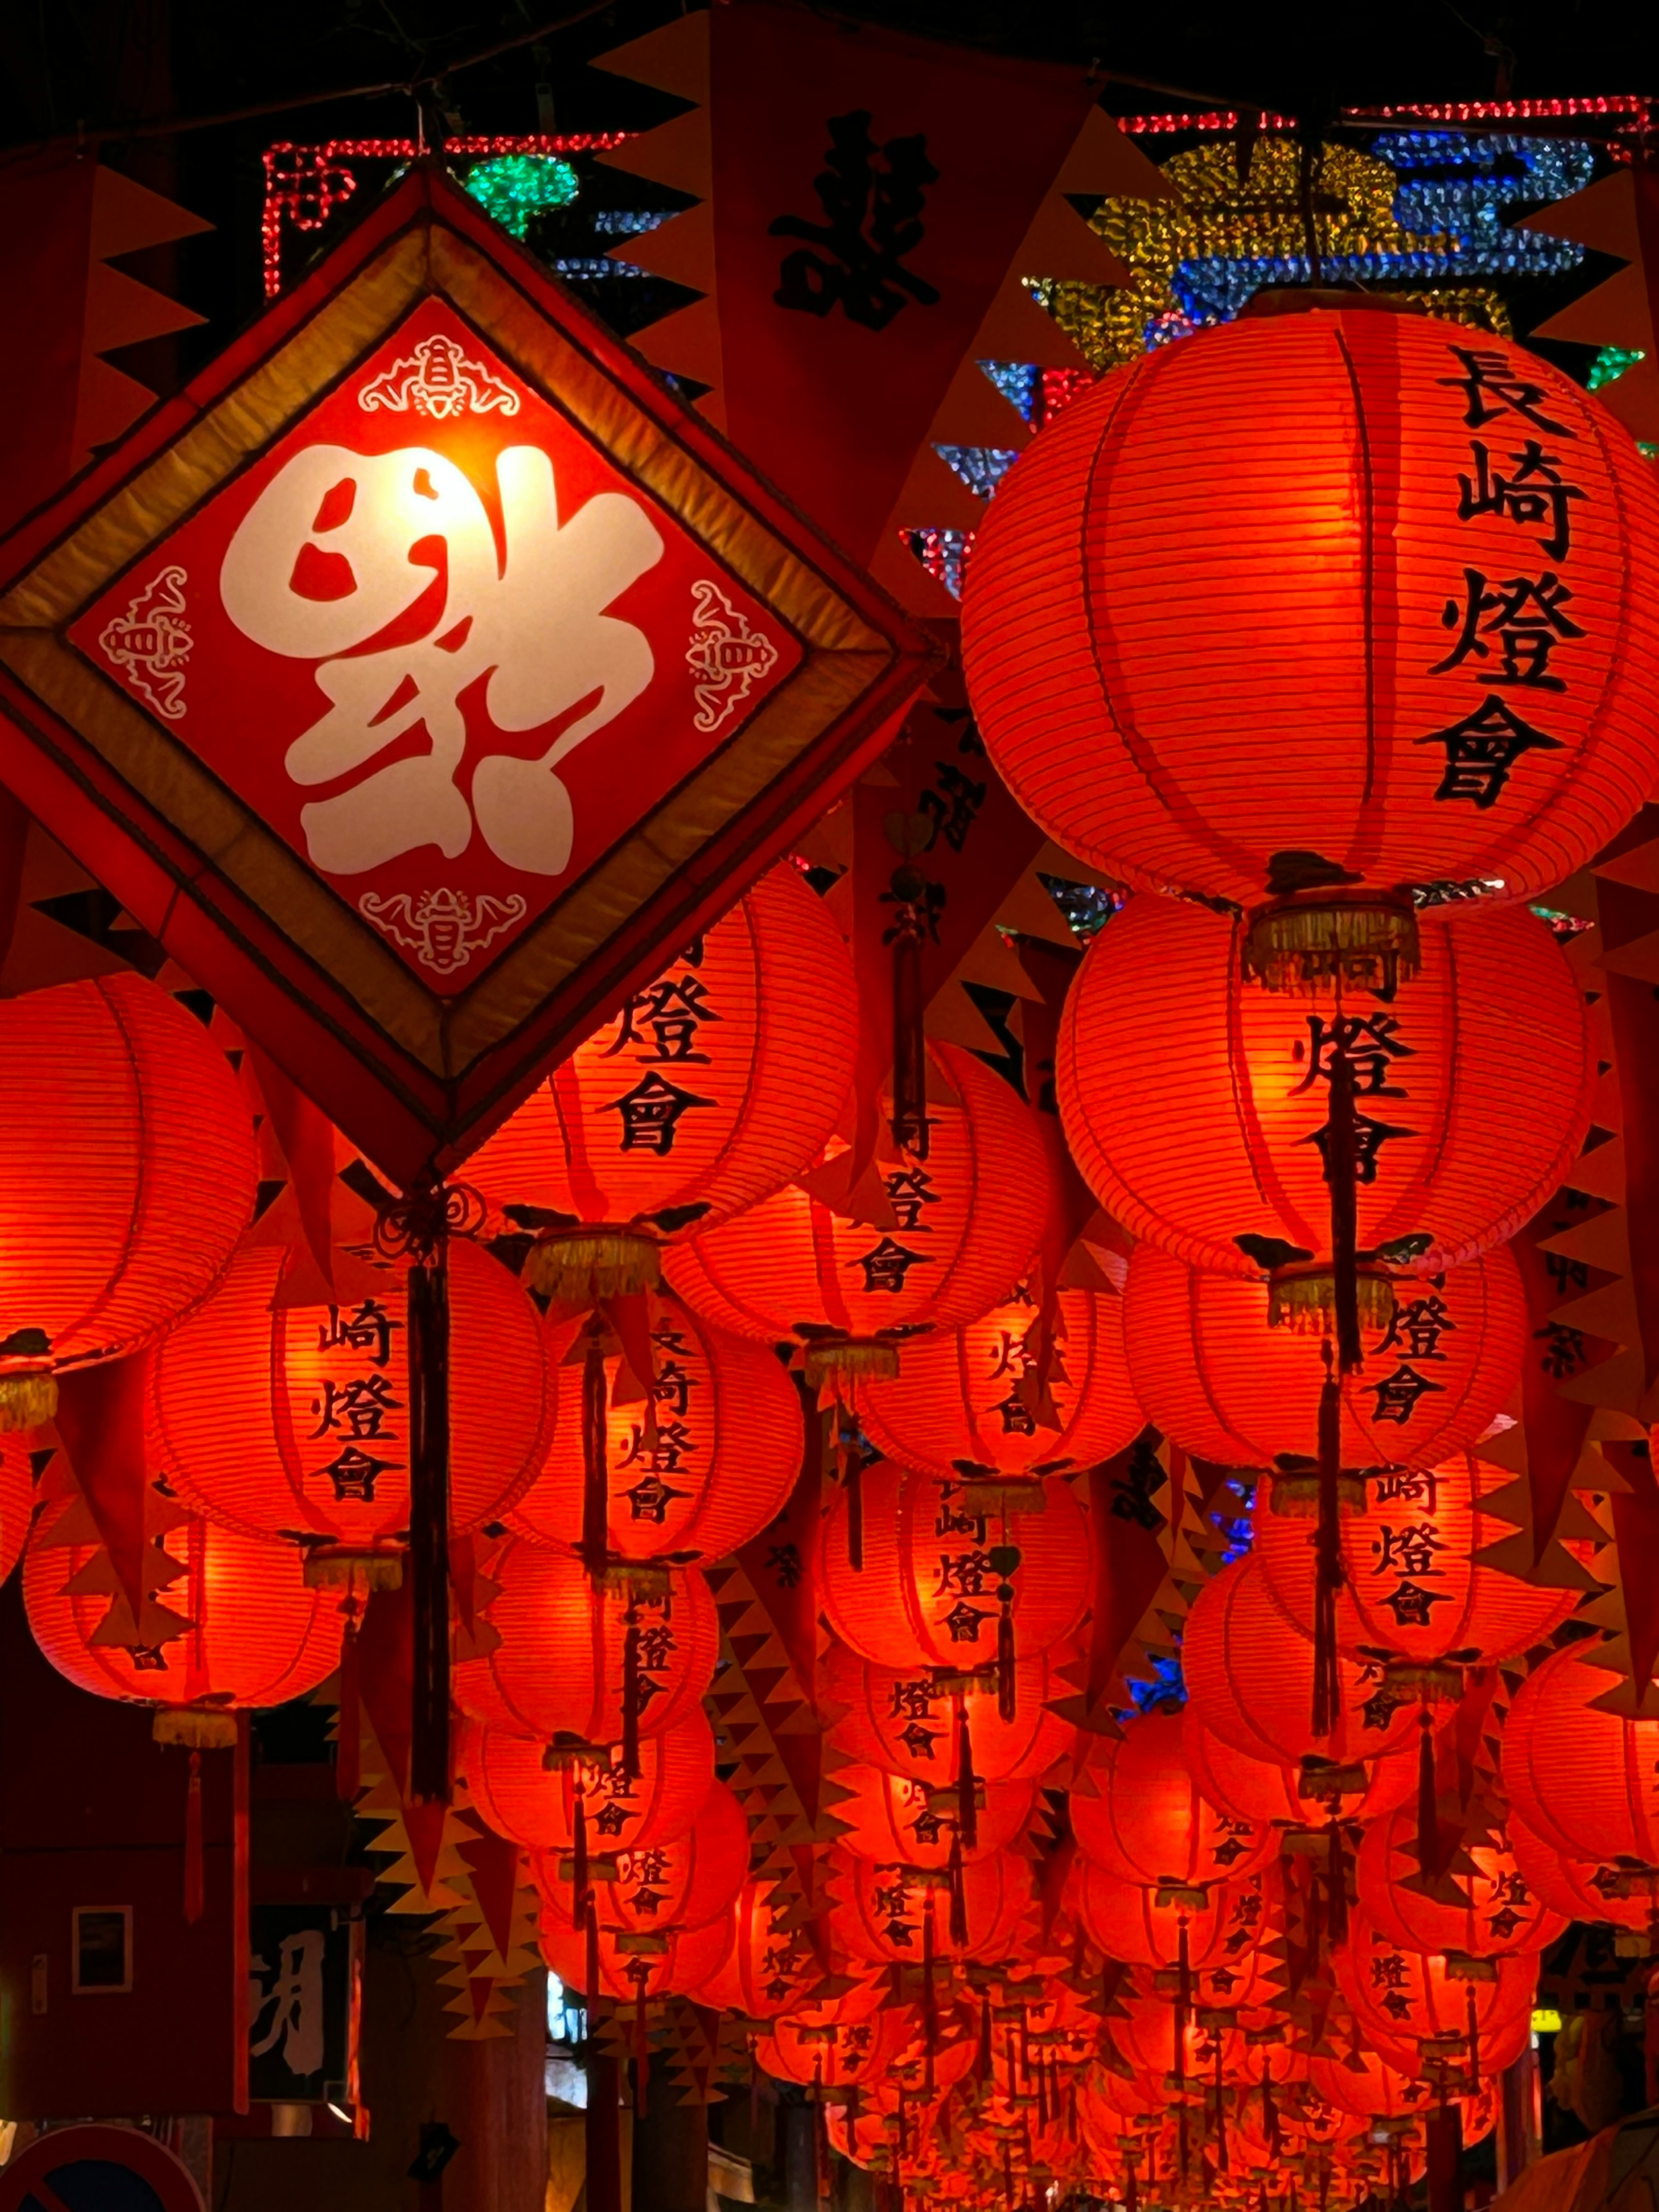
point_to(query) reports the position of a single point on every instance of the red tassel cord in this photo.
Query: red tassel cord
(854, 1480)
(959, 1897)
(1131, 2192)
(630, 1697)
(580, 1887)
(596, 1476)
(967, 1781)
(985, 2071)
(1220, 2111)
(1328, 1554)
(908, 893)
(349, 1746)
(428, 1516)
(1428, 1821)
(1004, 1559)
(195, 1872)
(929, 1997)
(1183, 2005)
(1342, 1174)
(1336, 1875)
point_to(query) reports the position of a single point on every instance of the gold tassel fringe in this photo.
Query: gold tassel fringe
(333, 1566)
(578, 1266)
(1311, 945)
(832, 1359)
(1296, 1495)
(994, 1498)
(193, 1727)
(1461, 1967)
(1303, 1299)
(28, 1397)
(1435, 1681)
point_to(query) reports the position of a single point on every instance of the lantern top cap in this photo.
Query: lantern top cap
(1273, 300)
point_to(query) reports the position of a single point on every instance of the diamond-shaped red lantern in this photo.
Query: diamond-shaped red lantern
(427, 670)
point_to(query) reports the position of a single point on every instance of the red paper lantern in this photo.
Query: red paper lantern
(891, 1818)
(1585, 1781)
(1248, 1673)
(128, 1177)
(926, 1594)
(1310, 684)
(707, 1467)
(1404, 2000)
(904, 1721)
(883, 1911)
(1198, 1106)
(1597, 1889)
(1148, 1823)
(679, 1967)
(669, 1886)
(249, 1632)
(704, 1094)
(16, 1499)
(1486, 1909)
(1214, 1375)
(971, 1396)
(293, 1420)
(1414, 1584)
(771, 1966)
(1361, 2083)
(964, 1225)
(536, 1806)
(561, 1669)
(1216, 1923)
(1248, 1788)
(1165, 2042)
(838, 2054)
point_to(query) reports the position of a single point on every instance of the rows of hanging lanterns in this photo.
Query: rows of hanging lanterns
(1256, 1934)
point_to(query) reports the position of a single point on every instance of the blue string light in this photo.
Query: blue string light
(981, 468)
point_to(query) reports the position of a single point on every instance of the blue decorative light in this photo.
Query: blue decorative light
(981, 468)
(1166, 1686)
(1216, 289)
(1020, 383)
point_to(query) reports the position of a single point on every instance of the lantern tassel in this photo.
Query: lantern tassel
(195, 1873)
(1220, 2111)
(958, 1896)
(1342, 1172)
(929, 1998)
(908, 891)
(1328, 1554)
(985, 2070)
(630, 1699)
(967, 1782)
(854, 1480)
(641, 2055)
(1131, 2193)
(1428, 1823)
(1183, 2002)
(580, 1884)
(348, 1746)
(1336, 1875)
(428, 1518)
(596, 1497)
(1005, 1661)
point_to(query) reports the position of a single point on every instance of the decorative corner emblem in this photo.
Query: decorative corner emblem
(444, 929)
(439, 380)
(726, 655)
(151, 641)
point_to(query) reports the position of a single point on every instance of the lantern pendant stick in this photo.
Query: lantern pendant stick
(428, 1518)
(913, 921)
(596, 1501)
(1328, 1553)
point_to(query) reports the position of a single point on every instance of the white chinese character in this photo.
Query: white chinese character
(386, 569)
(296, 1999)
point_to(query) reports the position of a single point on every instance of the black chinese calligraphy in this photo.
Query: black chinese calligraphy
(873, 200)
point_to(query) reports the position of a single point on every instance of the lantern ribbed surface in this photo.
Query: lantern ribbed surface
(254, 1634)
(901, 1719)
(127, 1164)
(1415, 1585)
(1592, 1889)
(926, 1595)
(687, 1959)
(1198, 1104)
(1485, 1910)
(1213, 1373)
(1225, 608)
(16, 1500)
(771, 1965)
(560, 1665)
(893, 1819)
(973, 1394)
(965, 1223)
(1147, 1822)
(707, 1091)
(1585, 1782)
(857, 2054)
(1404, 1998)
(677, 1883)
(1127, 1919)
(724, 1456)
(536, 1806)
(1249, 1787)
(295, 1422)
(882, 1910)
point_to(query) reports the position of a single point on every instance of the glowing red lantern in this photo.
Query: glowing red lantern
(884, 1912)
(1248, 1788)
(771, 1967)
(293, 1420)
(128, 1177)
(1485, 1910)
(943, 1570)
(1147, 1822)
(1583, 1780)
(851, 2054)
(1248, 1673)
(247, 1630)
(1199, 1108)
(1361, 2083)
(1414, 1584)
(1310, 691)
(696, 1460)
(1199, 1925)
(891, 1818)
(1414, 2005)
(536, 1805)
(583, 1662)
(670, 1885)
(1213, 1373)
(702, 1096)
(965, 1222)
(16, 1499)
(970, 1396)
(909, 1721)
(677, 1964)
(1584, 1888)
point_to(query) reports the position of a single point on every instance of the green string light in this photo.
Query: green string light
(514, 187)
(1612, 361)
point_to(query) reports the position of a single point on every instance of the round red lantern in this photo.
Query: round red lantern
(1168, 1925)
(1361, 2083)
(128, 1177)
(248, 1631)
(891, 1818)
(1253, 1789)
(697, 1458)
(772, 1965)
(293, 1420)
(16, 1499)
(684, 1961)
(883, 1911)
(908, 1720)
(1405, 2000)
(1415, 1585)
(965, 1222)
(533, 1804)
(1585, 1780)
(1249, 1677)
(1213, 1374)
(969, 1397)
(1485, 1910)
(1200, 1108)
(1147, 1822)
(854, 2054)
(668, 1887)
(704, 1094)
(576, 1660)
(1586, 1889)
(944, 1569)
(1377, 660)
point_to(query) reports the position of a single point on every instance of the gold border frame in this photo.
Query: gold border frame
(447, 1036)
